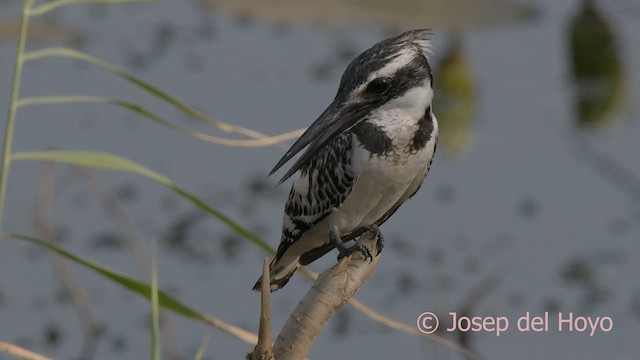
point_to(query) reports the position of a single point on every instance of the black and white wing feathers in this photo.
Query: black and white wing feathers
(323, 184)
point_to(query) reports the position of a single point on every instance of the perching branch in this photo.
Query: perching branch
(263, 350)
(19, 352)
(333, 288)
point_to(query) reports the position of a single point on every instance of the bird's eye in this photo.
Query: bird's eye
(378, 86)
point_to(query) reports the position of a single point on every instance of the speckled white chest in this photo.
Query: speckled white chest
(384, 181)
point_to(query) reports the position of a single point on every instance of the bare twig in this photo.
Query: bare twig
(19, 352)
(238, 332)
(259, 141)
(333, 288)
(263, 349)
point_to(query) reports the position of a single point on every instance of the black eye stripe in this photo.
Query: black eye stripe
(378, 86)
(405, 78)
(358, 72)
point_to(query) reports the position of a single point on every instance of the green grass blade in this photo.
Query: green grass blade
(201, 349)
(137, 109)
(155, 308)
(47, 7)
(165, 300)
(77, 55)
(71, 99)
(114, 162)
(13, 106)
(92, 159)
(230, 223)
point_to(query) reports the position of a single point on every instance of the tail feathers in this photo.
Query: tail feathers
(280, 277)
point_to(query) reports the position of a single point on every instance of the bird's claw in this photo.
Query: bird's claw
(373, 229)
(361, 248)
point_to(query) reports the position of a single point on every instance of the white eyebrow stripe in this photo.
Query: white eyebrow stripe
(400, 61)
(405, 57)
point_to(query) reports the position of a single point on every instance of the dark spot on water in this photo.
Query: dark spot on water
(77, 41)
(401, 246)
(164, 34)
(107, 240)
(595, 295)
(178, 232)
(577, 271)
(231, 247)
(51, 335)
(345, 51)
(258, 185)
(581, 274)
(405, 283)
(61, 296)
(118, 343)
(552, 305)
(445, 194)
(136, 61)
(528, 208)
(97, 331)
(322, 70)
(342, 323)
(61, 234)
(127, 192)
(244, 20)
(436, 256)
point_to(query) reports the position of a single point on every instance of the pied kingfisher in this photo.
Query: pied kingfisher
(367, 153)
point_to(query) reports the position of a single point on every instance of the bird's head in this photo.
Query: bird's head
(394, 74)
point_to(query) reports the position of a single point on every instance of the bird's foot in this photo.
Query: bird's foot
(361, 248)
(345, 250)
(375, 230)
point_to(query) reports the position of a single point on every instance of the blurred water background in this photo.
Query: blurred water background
(533, 202)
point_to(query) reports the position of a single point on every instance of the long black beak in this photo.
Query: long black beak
(337, 118)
